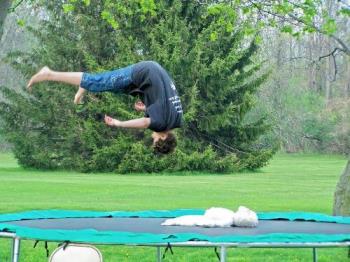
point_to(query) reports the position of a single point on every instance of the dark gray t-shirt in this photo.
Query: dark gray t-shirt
(158, 92)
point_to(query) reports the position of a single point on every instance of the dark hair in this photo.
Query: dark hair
(167, 145)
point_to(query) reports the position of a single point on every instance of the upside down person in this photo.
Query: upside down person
(161, 103)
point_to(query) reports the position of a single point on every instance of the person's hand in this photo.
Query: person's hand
(79, 96)
(112, 122)
(139, 106)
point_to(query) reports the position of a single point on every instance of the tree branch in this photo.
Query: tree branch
(13, 8)
(330, 54)
(344, 47)
(333, 54)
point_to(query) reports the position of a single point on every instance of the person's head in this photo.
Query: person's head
(164, 142)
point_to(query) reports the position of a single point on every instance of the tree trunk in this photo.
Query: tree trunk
(347, 84)
(4, 6)
(342, 194)
(312, 68)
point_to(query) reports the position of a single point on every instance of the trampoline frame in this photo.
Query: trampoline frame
(16, 246)
(159, 243)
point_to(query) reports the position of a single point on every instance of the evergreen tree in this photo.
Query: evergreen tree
(206, 48)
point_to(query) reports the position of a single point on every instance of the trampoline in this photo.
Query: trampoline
(143, 228)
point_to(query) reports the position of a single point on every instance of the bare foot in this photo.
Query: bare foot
(79, 96)
(42, 75)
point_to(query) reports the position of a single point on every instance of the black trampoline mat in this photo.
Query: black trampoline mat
(153, 226)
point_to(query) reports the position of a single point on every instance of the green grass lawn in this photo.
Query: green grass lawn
(289, 182)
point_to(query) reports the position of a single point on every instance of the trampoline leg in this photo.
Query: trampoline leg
(314, 254)
(15, 249)
(223, 254)
(159, 255)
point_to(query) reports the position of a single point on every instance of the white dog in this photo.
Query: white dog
(217, 217)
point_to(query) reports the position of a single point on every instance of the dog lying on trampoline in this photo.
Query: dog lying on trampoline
(160, 100)
(217, 217)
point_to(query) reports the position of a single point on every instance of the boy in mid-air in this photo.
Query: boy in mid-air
(160, 101)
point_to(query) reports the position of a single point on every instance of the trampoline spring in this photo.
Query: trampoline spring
(36, 243)
(64, 244)
(217, 253)
(46, 247)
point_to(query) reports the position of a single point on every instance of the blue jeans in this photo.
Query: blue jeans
(113, 81)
